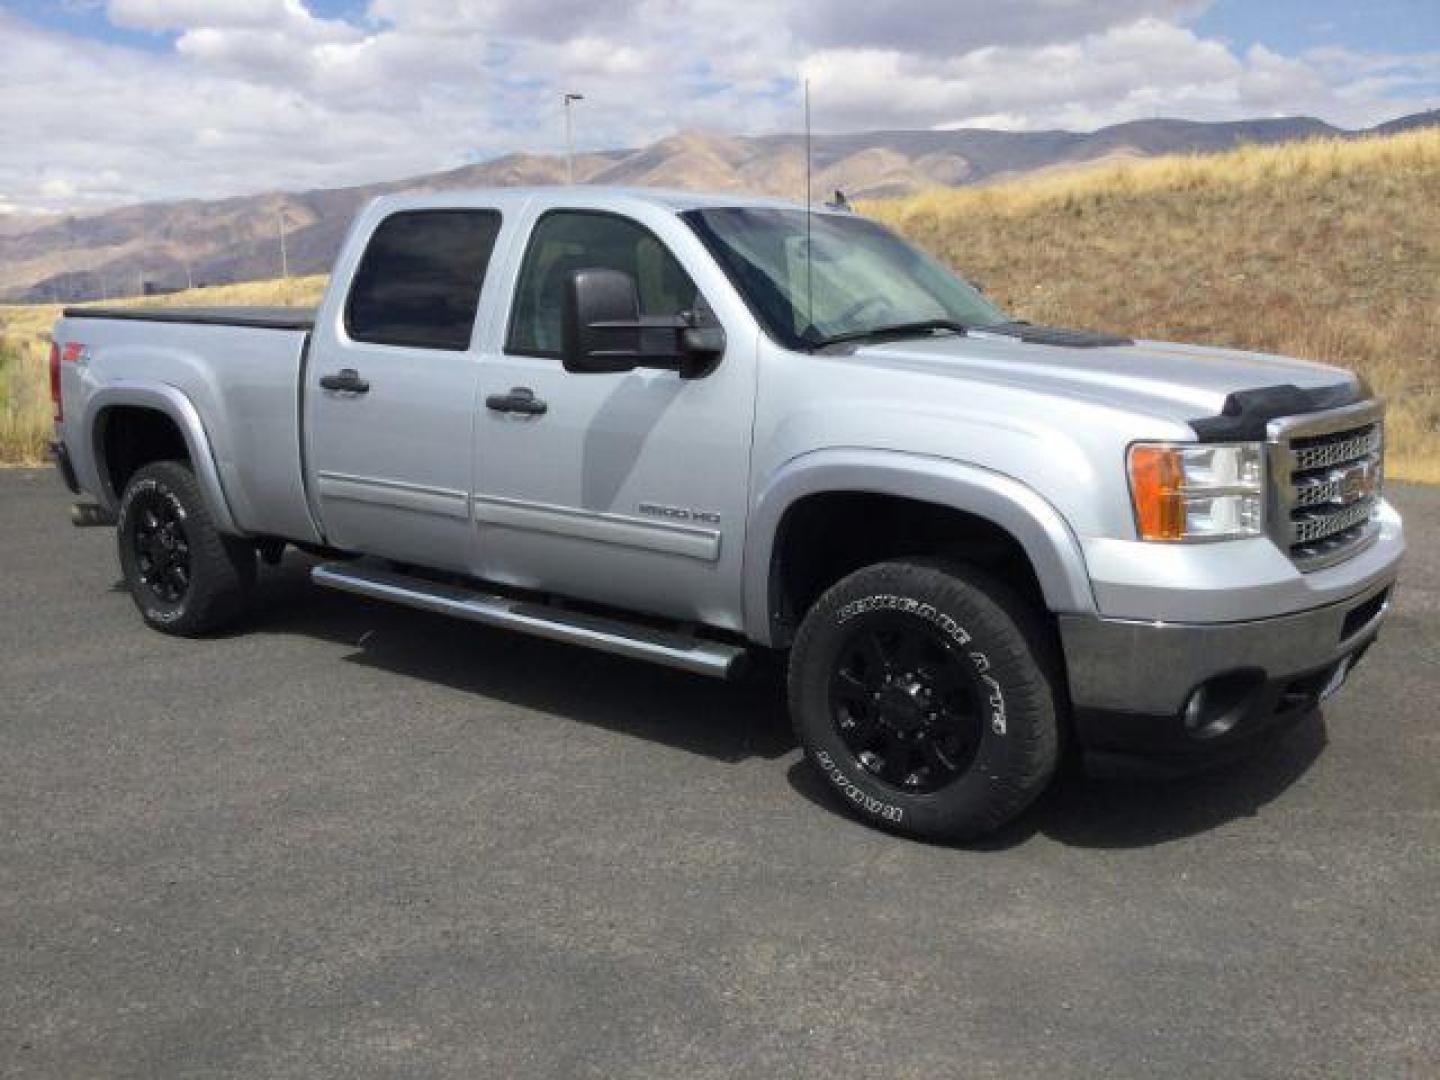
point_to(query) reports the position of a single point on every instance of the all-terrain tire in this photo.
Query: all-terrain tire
(978, 642)
(164, 523)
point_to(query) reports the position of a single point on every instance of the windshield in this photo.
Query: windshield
(837, 278)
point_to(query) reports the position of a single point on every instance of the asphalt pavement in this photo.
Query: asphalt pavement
(353, 840)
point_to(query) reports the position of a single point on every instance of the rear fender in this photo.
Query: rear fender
(179, 408)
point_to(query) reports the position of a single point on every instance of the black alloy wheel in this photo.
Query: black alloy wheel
(162, 549)
(907, 705)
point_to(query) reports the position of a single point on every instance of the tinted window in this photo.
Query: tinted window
(419, 280)
(565, 241)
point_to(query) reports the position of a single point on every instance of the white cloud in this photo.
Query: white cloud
(947, 27)
(191, 14)
(1146, 68)
(250, 95)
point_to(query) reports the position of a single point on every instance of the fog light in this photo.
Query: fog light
(1218, 704)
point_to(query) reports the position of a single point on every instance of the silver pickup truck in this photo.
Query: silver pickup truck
(689, 428)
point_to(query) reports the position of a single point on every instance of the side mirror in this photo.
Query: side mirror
(603, 330)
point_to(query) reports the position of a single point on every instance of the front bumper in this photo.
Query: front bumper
(1196, 690)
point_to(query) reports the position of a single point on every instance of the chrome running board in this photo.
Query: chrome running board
(676, 650)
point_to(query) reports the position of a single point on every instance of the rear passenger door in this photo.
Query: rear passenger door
(390, 390)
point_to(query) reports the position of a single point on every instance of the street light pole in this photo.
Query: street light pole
(570, 138)
(284, 259)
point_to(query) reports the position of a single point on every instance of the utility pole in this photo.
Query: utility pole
(570, 99)
(284, 259)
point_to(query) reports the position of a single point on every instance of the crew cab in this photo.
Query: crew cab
(692, 428)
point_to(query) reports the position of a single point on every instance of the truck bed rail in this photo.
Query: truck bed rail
(259, 318)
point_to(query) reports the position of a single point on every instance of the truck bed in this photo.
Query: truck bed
(239, 368)
(259, 318)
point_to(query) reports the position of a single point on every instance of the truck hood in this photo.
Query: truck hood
(1173, 382)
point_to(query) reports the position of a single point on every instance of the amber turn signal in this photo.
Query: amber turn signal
(1157, 475)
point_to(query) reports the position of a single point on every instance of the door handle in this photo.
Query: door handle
(519, 400)
(346, 379)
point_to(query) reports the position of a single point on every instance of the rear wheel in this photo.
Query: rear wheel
(184, 575)
(923, 693)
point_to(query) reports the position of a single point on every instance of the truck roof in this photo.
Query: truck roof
(589, 195)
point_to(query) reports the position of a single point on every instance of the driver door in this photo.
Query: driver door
(624, 488)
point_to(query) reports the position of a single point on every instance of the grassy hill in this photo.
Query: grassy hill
(1328, 249)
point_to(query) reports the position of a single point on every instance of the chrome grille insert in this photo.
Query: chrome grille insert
(1320, 453)
(1327, 468)
(1317, 525)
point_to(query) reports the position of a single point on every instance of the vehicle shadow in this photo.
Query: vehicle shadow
(1091, 812)
(728, 721)
(1127, 813)
(746, 719)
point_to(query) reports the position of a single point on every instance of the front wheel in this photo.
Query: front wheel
(924, 695)
(185, 576)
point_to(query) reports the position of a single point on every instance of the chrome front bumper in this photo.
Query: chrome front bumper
(1163, 687)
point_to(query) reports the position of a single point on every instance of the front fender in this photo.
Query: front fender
(180, 409)
(1052, 548)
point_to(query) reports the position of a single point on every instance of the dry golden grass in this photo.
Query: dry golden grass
(1328, 250)
(25, 341)
(24, 401)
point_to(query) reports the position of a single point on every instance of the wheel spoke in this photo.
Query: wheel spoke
(896, 758)
(863, 732)
(935, 757)
(878, 662)
(850, 687)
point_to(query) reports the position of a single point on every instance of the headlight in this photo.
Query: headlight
(1198, 492)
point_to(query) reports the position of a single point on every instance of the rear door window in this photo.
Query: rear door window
(418, 283)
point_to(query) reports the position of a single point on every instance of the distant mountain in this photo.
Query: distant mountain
(1409, 123)
(169, 244)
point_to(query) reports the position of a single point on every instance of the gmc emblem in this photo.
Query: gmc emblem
(1355, 483)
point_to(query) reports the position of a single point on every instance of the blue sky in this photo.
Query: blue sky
(1293, 26)
(108, 101)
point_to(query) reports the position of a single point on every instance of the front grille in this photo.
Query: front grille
(1323, 451)
(1328, 470)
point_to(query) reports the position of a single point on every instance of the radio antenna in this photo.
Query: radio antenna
(809, 287)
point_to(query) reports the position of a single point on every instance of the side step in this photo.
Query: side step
(675, 650)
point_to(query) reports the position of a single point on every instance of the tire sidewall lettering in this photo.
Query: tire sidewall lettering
(852, 791)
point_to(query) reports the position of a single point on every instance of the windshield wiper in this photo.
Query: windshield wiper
(922, 326)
